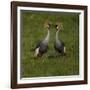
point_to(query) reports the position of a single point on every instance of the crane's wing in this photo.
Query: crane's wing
(43, 48)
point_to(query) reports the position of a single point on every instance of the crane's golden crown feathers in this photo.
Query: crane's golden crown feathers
(47, 24)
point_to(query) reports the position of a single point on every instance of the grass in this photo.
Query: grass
(32, 30)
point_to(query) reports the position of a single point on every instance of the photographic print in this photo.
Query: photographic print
(56, 35)
(49, 44)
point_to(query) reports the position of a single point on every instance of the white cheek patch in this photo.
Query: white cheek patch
(36, 52)
(57, 27)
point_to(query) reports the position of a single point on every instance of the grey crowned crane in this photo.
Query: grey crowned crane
(42, 46)
(59, 44)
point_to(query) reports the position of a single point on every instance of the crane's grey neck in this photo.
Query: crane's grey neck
(57, 37)
(46, 40)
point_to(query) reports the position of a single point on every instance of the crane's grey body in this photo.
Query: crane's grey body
(42, 46)
(59, 45)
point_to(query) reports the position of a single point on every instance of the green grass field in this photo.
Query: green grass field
(32, 30)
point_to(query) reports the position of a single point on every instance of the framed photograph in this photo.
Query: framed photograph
(48, 44)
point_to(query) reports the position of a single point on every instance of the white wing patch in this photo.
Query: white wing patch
(36, 52)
